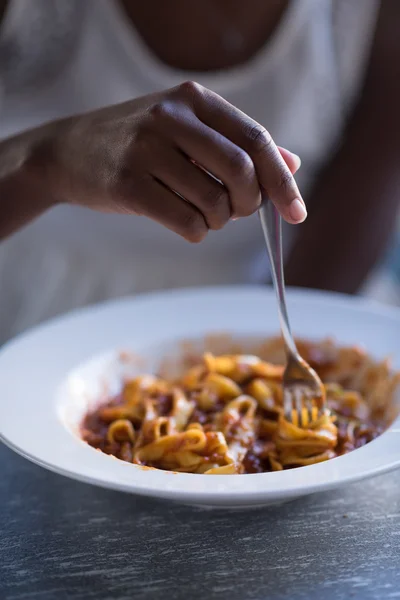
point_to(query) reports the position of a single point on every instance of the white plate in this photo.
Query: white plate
(49, 377)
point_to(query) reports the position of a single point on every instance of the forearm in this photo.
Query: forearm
(25, 192)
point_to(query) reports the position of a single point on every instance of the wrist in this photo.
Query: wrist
(26, 178)
(40, 168)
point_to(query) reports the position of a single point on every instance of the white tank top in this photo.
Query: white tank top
(301, 86)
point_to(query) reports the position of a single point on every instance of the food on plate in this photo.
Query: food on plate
(224, 415)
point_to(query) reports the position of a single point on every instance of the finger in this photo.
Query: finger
(292, 160)
(196, 186)
(217, 155)
(162, 205)
(273, 174)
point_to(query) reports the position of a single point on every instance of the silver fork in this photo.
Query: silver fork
(303, 392)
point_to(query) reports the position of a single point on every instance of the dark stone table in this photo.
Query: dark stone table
(65, 540)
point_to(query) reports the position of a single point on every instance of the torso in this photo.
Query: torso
(300, 89)
(204, 36)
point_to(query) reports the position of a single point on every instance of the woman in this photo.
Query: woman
(295, 67)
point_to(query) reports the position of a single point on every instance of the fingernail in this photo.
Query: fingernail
(297, 210)
(297, 161)
(234, 218)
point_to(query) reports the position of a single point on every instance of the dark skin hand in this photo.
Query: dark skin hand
(149, 157)
(132, 158)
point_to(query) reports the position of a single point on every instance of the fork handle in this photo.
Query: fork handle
(271, 223)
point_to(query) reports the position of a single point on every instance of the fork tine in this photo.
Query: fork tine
(310, 410)
(309, 405)
(306, 414)
(299, 406)
(288, 405)
(314, 410)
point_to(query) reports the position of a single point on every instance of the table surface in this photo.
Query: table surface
(65, 540)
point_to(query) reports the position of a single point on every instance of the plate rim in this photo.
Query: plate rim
(292, 291)
(219, 496)
(214, 498)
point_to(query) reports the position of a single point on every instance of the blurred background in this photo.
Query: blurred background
(383, 284)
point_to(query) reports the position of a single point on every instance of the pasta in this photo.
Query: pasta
(225, 415)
